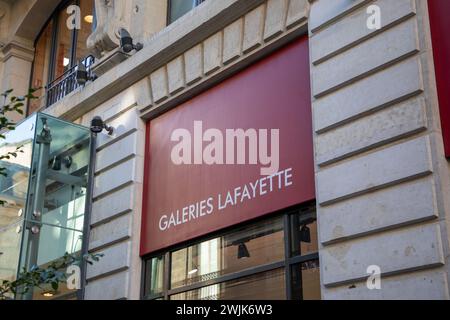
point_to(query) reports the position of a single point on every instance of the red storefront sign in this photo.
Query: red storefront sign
(440, 28)
(186, 201)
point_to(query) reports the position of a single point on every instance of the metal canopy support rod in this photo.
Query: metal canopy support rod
(35, 214)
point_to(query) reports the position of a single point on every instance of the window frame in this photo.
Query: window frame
(288, 263)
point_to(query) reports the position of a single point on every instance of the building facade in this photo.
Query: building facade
(351, 94)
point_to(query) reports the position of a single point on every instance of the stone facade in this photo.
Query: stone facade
(382, 179)
(379, 151)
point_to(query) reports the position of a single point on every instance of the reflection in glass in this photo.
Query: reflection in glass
(87, 26)
(41, 67)
(14, 184)
(10, 240)
(248, 247)
(63, 60)
(45, 190)
(13, 191)
(263, 286)
(155, 270)
(59, 178)
(306, 281)
(56, 55)
(304, 233)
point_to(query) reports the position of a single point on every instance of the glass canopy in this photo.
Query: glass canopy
(45, 193)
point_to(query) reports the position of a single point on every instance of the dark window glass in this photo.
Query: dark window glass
(63, 59)
(87, 26)
(41, 67)
(57, 51)
(178, 8)
(263, 286)
(276, 258)
(257, 245)
(155, 276)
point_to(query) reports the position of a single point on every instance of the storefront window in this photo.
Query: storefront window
(155, 270)
(263, 286)
(252, 262)
(246, 248)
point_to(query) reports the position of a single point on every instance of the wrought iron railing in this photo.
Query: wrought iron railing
(66, 83)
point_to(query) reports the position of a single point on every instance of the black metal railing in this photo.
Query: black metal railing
(66, 83)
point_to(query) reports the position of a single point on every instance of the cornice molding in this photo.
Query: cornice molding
(192, 30)
(16, 49)
(105, 38)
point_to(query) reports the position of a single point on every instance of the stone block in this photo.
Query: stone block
(427, 285)
(298, 12)
(117, 152)
(389, 46)
(325, 12)
(372, 131)
(375, 170)
(232, 41)
(275, 18)
(111, 232)
(399, 205)
(194, 64)
(113, 287)
(113, 205)
(115, 259)
(368, 95)
(212, 56)
(352, 30)
(124, 124)
(394, 252)
(253, 28)
(159, 85)
(175, 73)
(119, 176)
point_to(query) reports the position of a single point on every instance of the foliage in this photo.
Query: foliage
(53, 275)
(11, 104)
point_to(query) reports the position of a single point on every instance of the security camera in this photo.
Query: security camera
(98, 125)
(126, 42)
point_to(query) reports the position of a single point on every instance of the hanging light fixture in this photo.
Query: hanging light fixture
(48, 294)
(305, 234)
(243, 251)
(89, 18)
(82, 75)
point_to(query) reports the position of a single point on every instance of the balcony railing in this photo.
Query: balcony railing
(66, 83)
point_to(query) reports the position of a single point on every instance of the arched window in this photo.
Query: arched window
(59, 48)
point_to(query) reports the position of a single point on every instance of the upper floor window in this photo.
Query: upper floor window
(59, 48)
(178, 8)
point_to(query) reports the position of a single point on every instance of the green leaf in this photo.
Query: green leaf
(55, 286)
